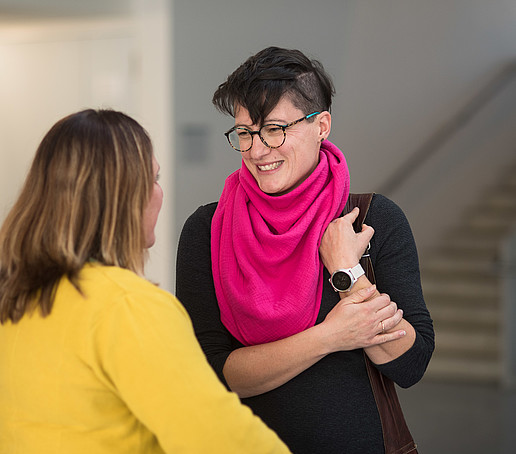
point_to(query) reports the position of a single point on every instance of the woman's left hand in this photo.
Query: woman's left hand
(340, 246)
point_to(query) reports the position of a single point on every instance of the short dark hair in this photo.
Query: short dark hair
(263, 79)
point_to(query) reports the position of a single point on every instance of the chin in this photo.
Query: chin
(150, 242)
(271, 190)
(274, 192)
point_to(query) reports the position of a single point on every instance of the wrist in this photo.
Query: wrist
(343, 279)
(342, 264)
(320, 340)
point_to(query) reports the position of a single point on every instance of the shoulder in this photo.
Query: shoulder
(109, 286)
(204, 212)
(385, 215)
(389, 222)
(383, 207)
(120, 280)
(198, 224)
(393, 246)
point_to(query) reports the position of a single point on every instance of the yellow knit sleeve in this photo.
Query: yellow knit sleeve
(146, 350)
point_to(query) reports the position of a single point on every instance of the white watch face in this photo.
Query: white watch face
(341, 281)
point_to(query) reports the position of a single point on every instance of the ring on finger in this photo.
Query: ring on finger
(383, 327)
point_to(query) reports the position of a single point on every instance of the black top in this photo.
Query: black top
(329, 408)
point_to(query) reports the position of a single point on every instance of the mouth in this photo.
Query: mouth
(268, 167)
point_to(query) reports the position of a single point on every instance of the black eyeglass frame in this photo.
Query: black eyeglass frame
(253, 133)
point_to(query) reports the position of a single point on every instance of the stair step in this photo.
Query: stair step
(464, 370)
(473, 235)
(499, 221)
(475, 290)
(505, 200)
(471, 240)
(462, 344)
(434, 300)
(437, 277)
(464, 277)
(448, 264)
(471, 250)
(471, 317)
(507, 182)
(462, 288)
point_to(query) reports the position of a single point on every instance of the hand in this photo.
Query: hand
(350, 325)
(340, 246)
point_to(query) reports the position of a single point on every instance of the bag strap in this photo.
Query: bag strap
(396, 434)
(362, 201)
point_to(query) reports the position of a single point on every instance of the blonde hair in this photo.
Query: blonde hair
(82, 200)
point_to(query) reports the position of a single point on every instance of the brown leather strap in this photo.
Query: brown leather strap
(362, 201)
(396, 435)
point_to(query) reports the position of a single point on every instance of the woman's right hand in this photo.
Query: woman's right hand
(361, 320)
(340, 246)
(353, 323)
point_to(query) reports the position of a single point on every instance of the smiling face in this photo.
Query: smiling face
(280, 170)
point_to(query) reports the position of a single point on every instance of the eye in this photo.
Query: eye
(273, 129)
(242, 133)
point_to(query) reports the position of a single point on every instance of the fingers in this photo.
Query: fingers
(386, 311)
(341, 246)
(367, 232)
(362, 320)
(385, 316)
(387, 323)
(360, 296)
(389, 309)
(380, 302)
(388, 337)
(390, 316)
(352, 215)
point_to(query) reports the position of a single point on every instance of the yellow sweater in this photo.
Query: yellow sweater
(115, 371)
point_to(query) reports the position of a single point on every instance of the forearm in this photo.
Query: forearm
(384, 353)
(388, 351)
(250, 371)
(254, 370)
(394, 256)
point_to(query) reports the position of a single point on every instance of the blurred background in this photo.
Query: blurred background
(425, 112)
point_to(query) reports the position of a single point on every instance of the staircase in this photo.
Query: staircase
(462, 288)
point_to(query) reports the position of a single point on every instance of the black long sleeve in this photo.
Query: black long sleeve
(395, 261)
(329, 408)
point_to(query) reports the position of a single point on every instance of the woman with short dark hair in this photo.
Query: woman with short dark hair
(271, 276)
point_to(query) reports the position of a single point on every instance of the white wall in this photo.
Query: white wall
(50, 68)
(401, 69)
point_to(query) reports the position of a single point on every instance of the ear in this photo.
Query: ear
(324, 122)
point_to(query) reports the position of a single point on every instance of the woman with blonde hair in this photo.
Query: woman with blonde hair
(94, 358)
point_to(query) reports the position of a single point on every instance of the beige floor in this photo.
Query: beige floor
(452, 418)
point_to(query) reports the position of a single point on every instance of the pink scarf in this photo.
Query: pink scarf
(265, 250)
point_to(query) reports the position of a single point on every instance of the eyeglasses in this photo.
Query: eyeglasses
(272, 135)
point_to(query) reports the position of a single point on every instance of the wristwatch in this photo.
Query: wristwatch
(343, 280)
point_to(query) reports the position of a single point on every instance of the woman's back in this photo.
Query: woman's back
(108, 369)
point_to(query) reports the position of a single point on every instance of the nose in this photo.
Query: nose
(259, 149)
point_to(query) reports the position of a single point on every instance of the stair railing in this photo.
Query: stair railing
(446, 132)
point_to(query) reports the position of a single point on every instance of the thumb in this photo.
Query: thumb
(353, 214)
(361, 295)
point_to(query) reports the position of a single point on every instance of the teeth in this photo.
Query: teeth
(270, 166)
